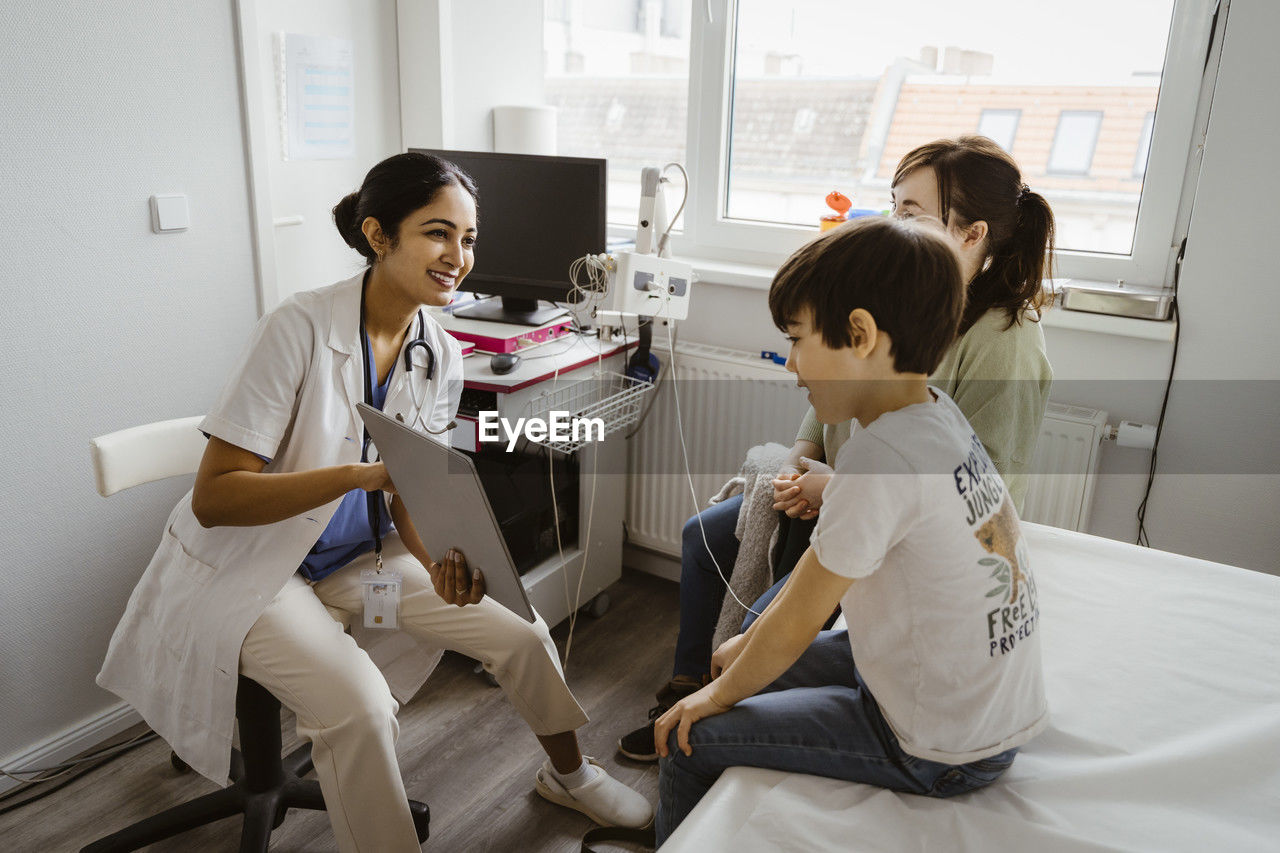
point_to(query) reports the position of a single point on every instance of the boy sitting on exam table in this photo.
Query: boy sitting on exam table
(937, 681)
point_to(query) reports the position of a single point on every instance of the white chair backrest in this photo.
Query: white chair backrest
(143, 454)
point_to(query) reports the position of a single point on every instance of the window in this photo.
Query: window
(1074, 142)
(618, 73)
(783, 102)
(1000, 126)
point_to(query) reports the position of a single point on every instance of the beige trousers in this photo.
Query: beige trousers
(299, 651)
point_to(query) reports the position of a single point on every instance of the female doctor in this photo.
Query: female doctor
(259, 568)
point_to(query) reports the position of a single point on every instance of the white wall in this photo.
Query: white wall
(497, 60)
(491, 55)
(1227, 508)
(110, 325)
(105, 324)
(312, 254)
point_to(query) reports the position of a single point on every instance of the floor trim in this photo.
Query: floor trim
(71, 743)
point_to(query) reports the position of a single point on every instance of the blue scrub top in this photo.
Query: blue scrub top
(349, 533)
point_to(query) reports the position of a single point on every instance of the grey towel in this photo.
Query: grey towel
(757, 530)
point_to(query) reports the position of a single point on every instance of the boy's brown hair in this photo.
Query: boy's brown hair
(904, 273)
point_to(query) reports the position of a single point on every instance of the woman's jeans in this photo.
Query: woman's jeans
(702, 589)
(701, 586)
(817, 718)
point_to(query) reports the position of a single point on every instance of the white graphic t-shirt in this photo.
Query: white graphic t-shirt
(943, 617)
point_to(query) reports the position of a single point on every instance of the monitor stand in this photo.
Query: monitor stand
(518, 311)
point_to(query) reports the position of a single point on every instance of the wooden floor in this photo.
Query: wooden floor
(463, 750)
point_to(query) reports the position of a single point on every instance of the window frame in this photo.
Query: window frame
(708, 234)
(1144, 146)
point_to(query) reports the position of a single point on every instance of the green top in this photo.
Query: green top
(977, 372)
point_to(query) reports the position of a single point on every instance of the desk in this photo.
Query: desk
(602, 466)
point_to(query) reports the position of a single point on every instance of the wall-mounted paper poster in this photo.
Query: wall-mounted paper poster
(317, 97)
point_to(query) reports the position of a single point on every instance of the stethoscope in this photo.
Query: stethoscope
(369, 371)
(368, 452)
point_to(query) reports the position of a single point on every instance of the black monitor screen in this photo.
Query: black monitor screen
(537, 215)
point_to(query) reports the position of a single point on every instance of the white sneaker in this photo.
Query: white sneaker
(604, 799)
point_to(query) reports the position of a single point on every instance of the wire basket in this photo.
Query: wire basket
(612, 398)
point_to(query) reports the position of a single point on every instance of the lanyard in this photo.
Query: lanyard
(373, 500)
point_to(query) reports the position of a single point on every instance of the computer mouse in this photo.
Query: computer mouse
(503, 362)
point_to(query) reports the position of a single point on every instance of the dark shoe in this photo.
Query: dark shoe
(639, 744)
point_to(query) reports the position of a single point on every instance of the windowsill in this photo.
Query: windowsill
(757, 277)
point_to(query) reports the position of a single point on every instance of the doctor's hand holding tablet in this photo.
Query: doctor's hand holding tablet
(454, 582)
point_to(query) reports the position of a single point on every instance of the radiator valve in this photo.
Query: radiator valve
(1131, 434)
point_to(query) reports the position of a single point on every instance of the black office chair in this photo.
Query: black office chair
(264, 785)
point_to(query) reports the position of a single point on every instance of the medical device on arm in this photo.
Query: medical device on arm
(648, 282)
(652, 208)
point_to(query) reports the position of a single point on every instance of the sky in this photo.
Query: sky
(1031, 40)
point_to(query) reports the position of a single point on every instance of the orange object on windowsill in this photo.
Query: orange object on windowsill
(839, 203)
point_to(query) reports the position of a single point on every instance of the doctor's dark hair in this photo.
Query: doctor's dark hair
(979, 181)
(392, 190)
(905, 274)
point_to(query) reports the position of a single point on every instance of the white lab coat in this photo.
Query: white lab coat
(175, 654)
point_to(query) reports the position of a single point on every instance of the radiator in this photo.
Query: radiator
(1060, 492)
(732, 400)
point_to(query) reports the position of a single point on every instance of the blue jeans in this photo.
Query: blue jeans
(701, 587)
(817, 718)
(764, 601)
(757, 609)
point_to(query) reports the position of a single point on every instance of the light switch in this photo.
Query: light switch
(169, 212)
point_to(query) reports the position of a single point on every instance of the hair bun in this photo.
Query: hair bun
(344, 217)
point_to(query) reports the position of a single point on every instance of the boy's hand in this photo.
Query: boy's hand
(801, 497)
(727, 654)
(682, 716)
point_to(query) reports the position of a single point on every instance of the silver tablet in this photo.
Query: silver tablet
(447, 502)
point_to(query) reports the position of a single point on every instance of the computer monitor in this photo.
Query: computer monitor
(537, 215)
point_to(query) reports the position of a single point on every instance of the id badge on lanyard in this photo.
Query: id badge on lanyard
(380, 589)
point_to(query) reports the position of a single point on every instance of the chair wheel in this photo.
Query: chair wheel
(598, 606)
(178, 764)
(421, 819)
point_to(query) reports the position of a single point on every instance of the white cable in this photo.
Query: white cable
(596, 286)
(575, 602)
(555, 513)
(662, 241)
(586, 549)
(675, 392)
